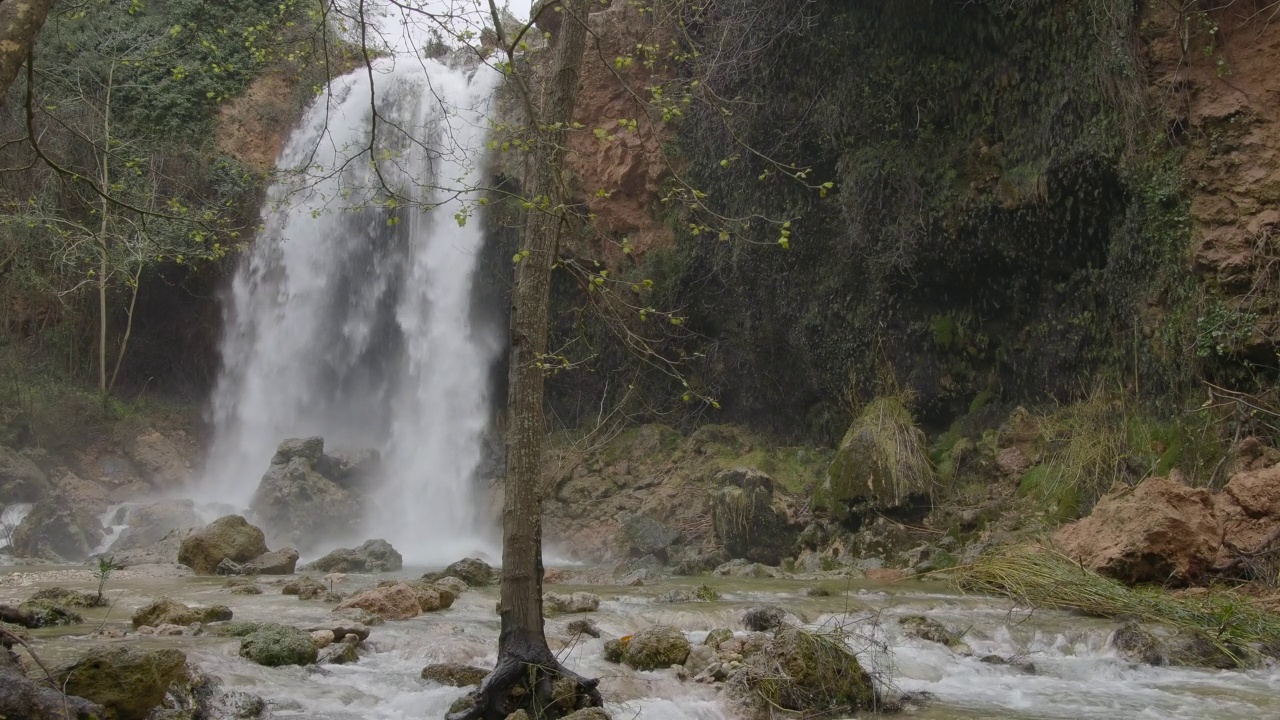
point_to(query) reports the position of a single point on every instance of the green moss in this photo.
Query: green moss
(881, 460)
(276, 645)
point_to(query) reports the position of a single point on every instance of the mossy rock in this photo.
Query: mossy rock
(655, 648)
(882, 460)
(275, 645)
(47, 613)
(70, 598)
(807, 672)
(128, 682)
(167, 611)
(454, 674)
(928, 629)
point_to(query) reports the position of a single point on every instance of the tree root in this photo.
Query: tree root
(533, 681)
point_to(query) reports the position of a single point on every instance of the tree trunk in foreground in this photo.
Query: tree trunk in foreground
(524, 660)
(20, 23)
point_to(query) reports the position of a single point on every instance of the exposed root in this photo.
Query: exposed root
(533, 681)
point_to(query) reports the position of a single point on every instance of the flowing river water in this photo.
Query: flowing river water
(1076, 674)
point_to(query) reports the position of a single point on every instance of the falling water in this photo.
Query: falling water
(351, 317)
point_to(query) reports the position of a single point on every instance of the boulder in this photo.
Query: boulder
(695, 559)
(39, 613)
(457, 586)
(309, 449)
(341, 653)
(699, 659)
(745, 520)
(582, 626)
(164, 552)
(230, 537)
(393, 602)
(83, 494)
(656, 647)
(336, 631)
(167, 611)
(454, 674)
(275, 645)
(1159, 531)
(919, 626)
(231, 567)
(306, 588)
(149, 524)
(564, 604)
(473, 571)
(352, 470)
(70, 598)
(21, 480)
(57, 529)
(23, 697)
(371, 556)
(430, 597)
(806, 673)
(297, 502)
(129, 682)
(639, 536)
(276, 562)
(159, 459)
(743, 568)
(1249, 510)
(764, 618)
(881, 462)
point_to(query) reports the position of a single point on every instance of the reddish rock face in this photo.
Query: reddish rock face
(1249, 510)
(1159, 532)
(393, 602)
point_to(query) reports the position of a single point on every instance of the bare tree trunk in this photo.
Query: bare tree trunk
(20, 23)
(523, 656)
(103, 260)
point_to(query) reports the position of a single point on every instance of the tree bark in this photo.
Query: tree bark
(523, 655)
(20, 23)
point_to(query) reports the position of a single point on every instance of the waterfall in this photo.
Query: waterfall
(351, 316)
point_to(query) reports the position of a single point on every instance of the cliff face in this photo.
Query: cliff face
(1024, 200)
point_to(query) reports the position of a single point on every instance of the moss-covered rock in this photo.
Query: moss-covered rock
(128, 682)
(806, 672)
(656, 647)
(882, 461)
(227, 538)
(745, 519)
(46, 613)
(929, 629)
(70, 598)
(167, 611)
(454, 674)
(473, 571)
(275, 645)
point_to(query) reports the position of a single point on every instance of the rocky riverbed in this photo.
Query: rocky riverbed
(976, 657)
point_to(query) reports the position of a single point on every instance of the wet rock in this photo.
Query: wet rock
(614, 650)
(244, 590)
(431, 597)
(276, 562)
(808, 673)
(1025, 666)
(1159, 531)
(1136, 644)
(166, 610)
(70, 598)
(343, 653)
(322, 638)
(128, 682)
(359, 616)
(169, 630)
(699, 659)
(393, 602)
(764, 618)
(57, 529)
(22, 697)
(472, 571)
(230, 537)
(454, 674)
(371, 556)
(743, 568)
(639, 536)
(929, 629)
(164, 552)
(578, 602)
(297, 501)
(338, 631)
(656, 647)
(457, 586)
(38, 613)
(351, 469)
(718, 636)
(582, 626)
(746, 522)
(695, 559)
(230, 567)
(275, 645)
(306, 588)
(159, 459)
(21, 480)
(149, 524)
(80, 493)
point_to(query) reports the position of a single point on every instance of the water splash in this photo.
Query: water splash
(351, 316)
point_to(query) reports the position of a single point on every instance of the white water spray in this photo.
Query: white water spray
(351, 317)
